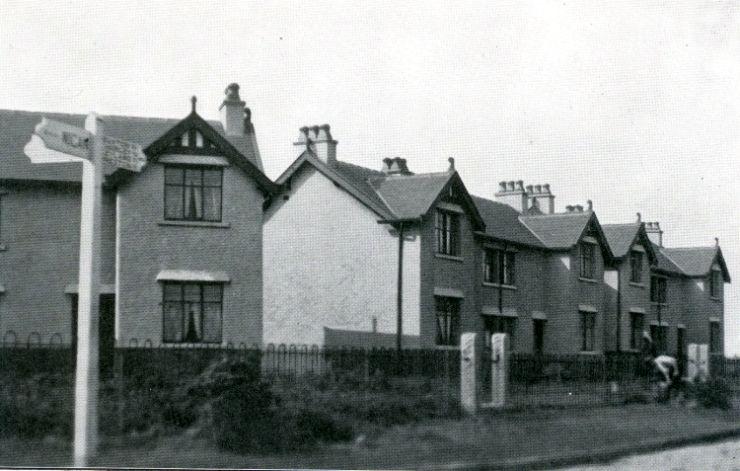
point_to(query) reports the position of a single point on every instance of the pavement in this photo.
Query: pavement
(718, 456)
(718, 450)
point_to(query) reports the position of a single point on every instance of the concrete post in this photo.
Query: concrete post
(86, 381)
(698, 362)
(468, 373)
(499, 369)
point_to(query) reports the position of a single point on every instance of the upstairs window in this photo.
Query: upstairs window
(499, 267)
(636, 267)
(447, 228)
(715, 281)
(193, 193)
(658, 289)
(448, 320)
(587, 260)
(192, 312)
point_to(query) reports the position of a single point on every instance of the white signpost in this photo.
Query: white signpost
(55, 142)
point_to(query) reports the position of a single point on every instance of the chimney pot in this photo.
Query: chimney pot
(538, 188)
(569, 208)
(579, 208)
(232, 111)
(530, 189)
(520, 185)
(512, 185)
(502, 185)
(546, 187)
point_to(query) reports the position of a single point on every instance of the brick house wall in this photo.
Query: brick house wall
(148, 245)
(39, 262)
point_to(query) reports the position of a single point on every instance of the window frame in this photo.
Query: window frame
(447, 232)
(183, 185)
(636, 267)
(587, 257)
(588, 331)
(658, 289)
(499, 266)
(183, 302)
(447, 307)
(715, 280)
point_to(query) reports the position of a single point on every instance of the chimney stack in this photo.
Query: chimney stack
(318, 139)
(541, 194)
(395, 166)
(512, 193)
(655, 233)
(233, 111)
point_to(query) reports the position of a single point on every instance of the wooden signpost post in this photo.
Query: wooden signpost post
(54, 142)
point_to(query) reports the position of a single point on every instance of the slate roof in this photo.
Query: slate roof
(502, 222)
(558, 231)
(664, 263)
(16, 128)
(620, 237)
(696, 261)
(410, 196)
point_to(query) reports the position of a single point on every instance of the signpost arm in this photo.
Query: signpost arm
(86, 381)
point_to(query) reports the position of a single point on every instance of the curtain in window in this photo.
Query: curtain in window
(172, 322)
(193, 202)
(193, 321)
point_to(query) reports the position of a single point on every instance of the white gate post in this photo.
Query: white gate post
(698, 362)
(86, 381)
(499, 369)
(468, 373)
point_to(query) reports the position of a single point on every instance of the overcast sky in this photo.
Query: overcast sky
(633, 104)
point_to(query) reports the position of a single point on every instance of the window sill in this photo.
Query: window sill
(587, 280)
(498, 285)
(220, 225)
(454, 258)
(447, 347)
(3, 248)
(638, 285)
(589, 353)
(713, 298)
(194, 345)
(653, 303)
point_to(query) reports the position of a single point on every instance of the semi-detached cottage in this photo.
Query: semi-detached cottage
(182, 239)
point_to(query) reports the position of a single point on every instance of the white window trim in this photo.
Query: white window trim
(194, 276)
(449, 292)
(493, 311)
(212, 160)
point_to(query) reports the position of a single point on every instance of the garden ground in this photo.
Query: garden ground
(495, 439)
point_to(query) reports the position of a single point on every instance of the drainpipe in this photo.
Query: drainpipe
(619, 310)
(399, 291)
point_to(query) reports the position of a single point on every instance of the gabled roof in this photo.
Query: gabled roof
(502, 222)
(393, 198)
(16, 128)
(697, 261)
(622, 237)
(223, 145)
(561, 231)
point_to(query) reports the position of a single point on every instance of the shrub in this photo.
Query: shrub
(713, 393)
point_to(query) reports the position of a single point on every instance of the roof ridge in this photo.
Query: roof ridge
(114, 116)
(694, 247)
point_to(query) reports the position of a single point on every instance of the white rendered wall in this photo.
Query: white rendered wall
(328, 263)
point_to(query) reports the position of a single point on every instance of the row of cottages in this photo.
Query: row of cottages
(353, 255)
(182, 239)
(201, 247)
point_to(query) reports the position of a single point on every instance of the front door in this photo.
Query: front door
(681, 349)
(106, 329)
(539, 336)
